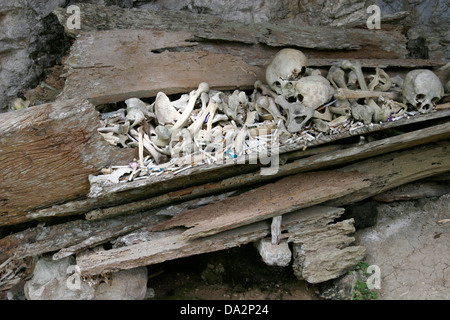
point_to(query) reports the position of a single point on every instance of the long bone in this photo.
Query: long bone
(215, 101)
(118, 128)
(265, 89)
(264, 103)
(195, 127)
(336, 76)
(193, 96)
(343, 94)
(356, 68)
(380, 81)
(239, 142)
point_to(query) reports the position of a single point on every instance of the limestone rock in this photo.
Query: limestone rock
(56, 280)
(325, 253)
(125, 285)
(59, 280)
(29, 43)
(274, 254)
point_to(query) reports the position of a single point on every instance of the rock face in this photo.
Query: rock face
(30, 42)
(58, 280)
(409, 243)
(324, 253)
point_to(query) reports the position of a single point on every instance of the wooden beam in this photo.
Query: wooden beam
(114, 65)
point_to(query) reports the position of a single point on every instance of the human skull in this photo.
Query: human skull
(313, 91)
(285, 69)
(422, 89)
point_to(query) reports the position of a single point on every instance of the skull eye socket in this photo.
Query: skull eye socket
(297, 74)
(420, 97)
(435, 100)
(426, 107)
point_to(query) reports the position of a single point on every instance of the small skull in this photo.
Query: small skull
(421, 90)
(313, 91)
(297, 114)
(285, 69)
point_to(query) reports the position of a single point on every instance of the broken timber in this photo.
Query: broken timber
(362, 180)
(153, 249)
(46, 154)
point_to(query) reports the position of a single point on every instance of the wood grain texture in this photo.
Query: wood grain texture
(47, 153)
(286, 195)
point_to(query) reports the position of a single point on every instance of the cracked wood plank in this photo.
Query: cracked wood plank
(47, 153)
(156, 247)
(114, 65)
(274, 199)
(121, 53)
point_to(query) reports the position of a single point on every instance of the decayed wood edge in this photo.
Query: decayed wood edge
(47, 152)
(377, 176)
(168, 245)
(213, 28)
(147, 199)
(42, 239)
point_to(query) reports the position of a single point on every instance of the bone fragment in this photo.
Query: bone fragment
(165, 112)
(265, 89)
(343, 94)
(118, 129)
(141, 146)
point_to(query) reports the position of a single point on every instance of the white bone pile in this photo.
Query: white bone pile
(296, 106)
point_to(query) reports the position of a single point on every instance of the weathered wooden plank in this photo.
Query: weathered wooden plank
(288, 194)
(114, 65)
(377, 174)
(156, 247)
(213, 28)
(75, 236)
(46, 155)
(393, 170)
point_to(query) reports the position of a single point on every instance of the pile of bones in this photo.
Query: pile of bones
(296, 106)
